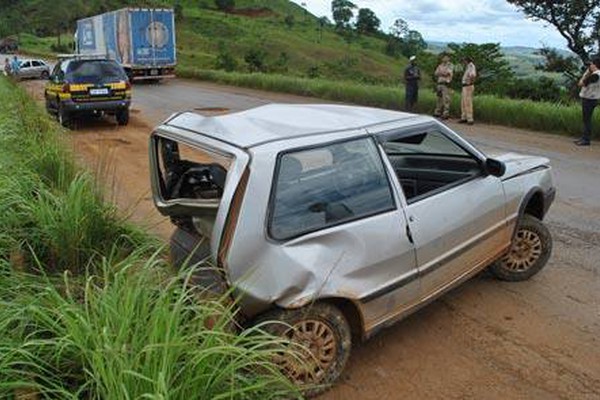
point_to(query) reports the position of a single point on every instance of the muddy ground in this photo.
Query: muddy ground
(485, 340)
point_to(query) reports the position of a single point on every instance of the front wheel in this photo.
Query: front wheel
(325, 341)
(531, 248)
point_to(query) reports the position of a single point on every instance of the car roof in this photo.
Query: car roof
(275, 122)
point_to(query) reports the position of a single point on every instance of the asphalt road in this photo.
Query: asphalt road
(538, 339)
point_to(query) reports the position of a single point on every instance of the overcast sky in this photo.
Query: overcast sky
(477, 21)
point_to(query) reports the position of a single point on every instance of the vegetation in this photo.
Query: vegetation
(88, 309)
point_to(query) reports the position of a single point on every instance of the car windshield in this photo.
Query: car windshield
(94, 72)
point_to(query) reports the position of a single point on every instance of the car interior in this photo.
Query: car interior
(427, 162)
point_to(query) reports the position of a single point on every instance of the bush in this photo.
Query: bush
(537, 89)
(256, 60)
(225, 5)
(225, 60)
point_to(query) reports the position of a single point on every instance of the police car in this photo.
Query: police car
(87, 87)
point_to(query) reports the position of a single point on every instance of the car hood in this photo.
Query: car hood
(519, 163)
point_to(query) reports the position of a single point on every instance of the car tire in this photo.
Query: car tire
(44, 75)
(530, 251)
(64, 117)
(324, 332)
(122, 117)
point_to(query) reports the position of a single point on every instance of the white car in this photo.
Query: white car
(34, 69)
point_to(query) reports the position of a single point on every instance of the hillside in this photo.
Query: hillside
(278, 35)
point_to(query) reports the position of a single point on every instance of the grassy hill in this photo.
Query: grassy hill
(282, 35)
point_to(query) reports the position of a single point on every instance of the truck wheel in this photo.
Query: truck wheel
(122, 117)
(325, 341)
(64, 117)
(531, 248)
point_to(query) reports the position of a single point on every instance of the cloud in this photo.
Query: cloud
(477, 21)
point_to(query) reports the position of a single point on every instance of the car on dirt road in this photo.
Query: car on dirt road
(83, 86)
(340, 220)
(37, 69)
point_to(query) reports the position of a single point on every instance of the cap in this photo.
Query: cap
(412, 58)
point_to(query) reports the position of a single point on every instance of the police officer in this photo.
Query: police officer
(412, 75)
(443, 75)
(589, 94)
(468, 88)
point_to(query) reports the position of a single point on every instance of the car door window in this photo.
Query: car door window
(325, 186)
(36, 64)
(429, 162)
(26, 64)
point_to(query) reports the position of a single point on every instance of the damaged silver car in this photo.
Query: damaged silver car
(341, 220)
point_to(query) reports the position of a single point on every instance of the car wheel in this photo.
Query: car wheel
(44, 75)
(325, 338)
(122, 117)
(64, 117)
(531, 248)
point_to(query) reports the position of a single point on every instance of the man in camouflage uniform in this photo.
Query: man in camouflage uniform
(443, 75)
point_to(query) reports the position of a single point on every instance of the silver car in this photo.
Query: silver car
(34, 69)
(341, 220)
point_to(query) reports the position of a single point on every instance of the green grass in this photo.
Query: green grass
(88, 307)
(539, 116)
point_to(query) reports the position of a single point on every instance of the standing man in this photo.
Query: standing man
(15, 67)
(412, 75)
(7, 69)
(468, 88)
(590, 94)
(443, 75)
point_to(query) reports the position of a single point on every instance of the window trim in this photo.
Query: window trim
(274, 180)
(394, 134)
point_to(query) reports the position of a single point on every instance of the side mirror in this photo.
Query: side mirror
(495, 167)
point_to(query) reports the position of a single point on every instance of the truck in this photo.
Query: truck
(142, 40)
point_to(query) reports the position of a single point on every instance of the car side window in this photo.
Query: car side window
(429, 162)
(325, 186)
(36, 64)
(26, 64)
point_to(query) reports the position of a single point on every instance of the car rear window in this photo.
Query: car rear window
(326, 186)
(95, 72)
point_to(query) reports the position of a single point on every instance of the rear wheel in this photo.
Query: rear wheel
(325, 341)
(531, 248)
(44, 75)
(122, 117)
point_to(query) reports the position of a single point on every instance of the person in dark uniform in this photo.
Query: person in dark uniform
(412, 75)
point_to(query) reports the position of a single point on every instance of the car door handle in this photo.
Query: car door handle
(409, 234)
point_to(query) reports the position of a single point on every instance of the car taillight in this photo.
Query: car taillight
(66, 88)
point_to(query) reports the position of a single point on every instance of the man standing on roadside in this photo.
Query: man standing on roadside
(443, 76)
(412, 75)
(590, 94)
(468, 88)
(15, 66)
(7, 67)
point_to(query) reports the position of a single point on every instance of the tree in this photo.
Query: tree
(404, 41)
(367, 21)
(225, 5)
(493, 71)
(577, 21)
(289, 21)
(343, 13)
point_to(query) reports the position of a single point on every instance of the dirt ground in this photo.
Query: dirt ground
(485, 340)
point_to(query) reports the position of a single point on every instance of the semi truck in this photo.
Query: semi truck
(142, 40)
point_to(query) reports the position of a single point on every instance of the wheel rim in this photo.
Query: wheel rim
(317, 353)
(526, 250)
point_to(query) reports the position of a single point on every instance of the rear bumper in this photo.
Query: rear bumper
(110, 105)
(151, 72)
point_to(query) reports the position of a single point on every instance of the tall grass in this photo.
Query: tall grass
(130, 333)
(539, 116)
